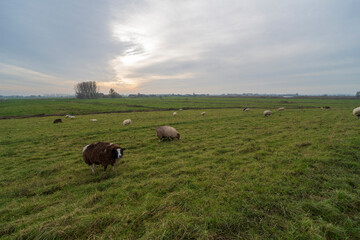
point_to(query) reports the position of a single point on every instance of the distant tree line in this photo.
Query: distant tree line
(89, 90)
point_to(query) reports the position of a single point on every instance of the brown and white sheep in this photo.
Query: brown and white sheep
(102, 153)
(203, 113)
(167, 132)
(246, 109)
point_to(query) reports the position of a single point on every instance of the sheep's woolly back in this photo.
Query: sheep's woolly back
(174, 114)
(127, 122)
(99, 153)
(281, 109)
(167, 132)
(267, 113)
(203, 113)
(356, 111)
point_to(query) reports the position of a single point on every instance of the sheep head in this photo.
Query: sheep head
(117, 154)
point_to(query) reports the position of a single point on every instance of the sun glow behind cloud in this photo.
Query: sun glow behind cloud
(140, 46)
(149, 41)
(140, 43)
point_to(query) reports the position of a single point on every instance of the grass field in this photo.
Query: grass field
(63, 106)
(233, 174)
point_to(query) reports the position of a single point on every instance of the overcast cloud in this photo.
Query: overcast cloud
(262, 46)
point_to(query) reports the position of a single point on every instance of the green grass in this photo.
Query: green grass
(233, 174)
(63, 106)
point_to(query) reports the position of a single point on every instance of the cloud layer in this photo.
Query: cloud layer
(185, 46)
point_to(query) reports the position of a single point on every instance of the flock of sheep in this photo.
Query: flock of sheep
(103, 153)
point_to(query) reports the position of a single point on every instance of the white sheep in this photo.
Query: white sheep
(167, 132)
(180, 109)
(93, 120)
(246, 109)
(72, 117)
(127, 122)
(203, 113)
(281, 109)
(267, 113)
(356, 112)
(174, 114)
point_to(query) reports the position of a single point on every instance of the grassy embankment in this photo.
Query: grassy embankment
(234, 174)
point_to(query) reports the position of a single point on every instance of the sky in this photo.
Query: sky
(170, 46)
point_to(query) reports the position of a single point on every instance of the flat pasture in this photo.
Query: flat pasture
(233, 174)
(62, 106)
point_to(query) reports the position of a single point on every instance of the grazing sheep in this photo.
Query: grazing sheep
(267, 113)
(57, 120)
(127, 122)
(167, 132)
(174, 114)
(281, 109)
(246, 109)
(180, 109)
(356, 112)
(203, 113)
(72, 117)
(102, 153)
(93, 120)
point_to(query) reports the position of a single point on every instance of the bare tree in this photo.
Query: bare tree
(86, 90)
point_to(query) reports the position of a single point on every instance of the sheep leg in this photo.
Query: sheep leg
(93, 168)
(105, 167)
